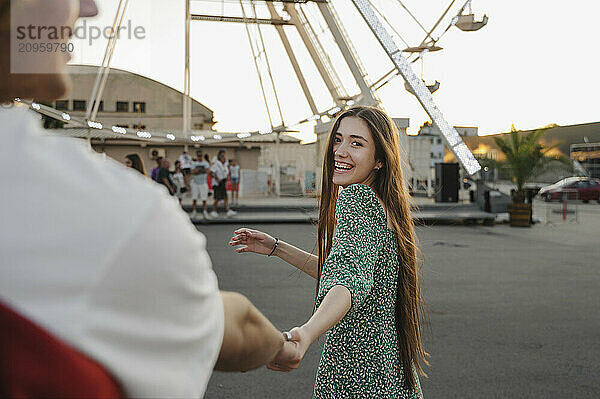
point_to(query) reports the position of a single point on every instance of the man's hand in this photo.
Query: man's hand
(290, 356)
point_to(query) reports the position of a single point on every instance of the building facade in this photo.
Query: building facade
(426, 149)
(136, 102)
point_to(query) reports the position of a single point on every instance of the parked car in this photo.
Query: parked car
(574, 188)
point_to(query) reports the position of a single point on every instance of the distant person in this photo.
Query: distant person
(208, 176)
(134, 161)
(369, 297)
(234, 170)
(127, 290)
(154, 172)
(164, 176)
(186, 166)
(220, 174)
(179, 181)
(199, 184)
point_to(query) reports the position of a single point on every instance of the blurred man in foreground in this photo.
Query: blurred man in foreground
(121, 275)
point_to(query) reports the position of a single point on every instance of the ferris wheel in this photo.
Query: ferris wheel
(317, 20)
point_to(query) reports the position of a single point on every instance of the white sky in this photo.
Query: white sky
(535, 62)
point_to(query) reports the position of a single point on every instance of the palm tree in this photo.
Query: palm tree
(526, 157)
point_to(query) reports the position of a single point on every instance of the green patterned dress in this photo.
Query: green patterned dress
(360, 357)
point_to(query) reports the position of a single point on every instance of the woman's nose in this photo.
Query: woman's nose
(341, 150)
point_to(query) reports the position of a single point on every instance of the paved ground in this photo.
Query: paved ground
(513, 312)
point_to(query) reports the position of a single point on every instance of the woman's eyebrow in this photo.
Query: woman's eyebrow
(354, 136)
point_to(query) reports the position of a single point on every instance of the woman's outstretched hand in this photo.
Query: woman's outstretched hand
(252, 241)
(290, 356)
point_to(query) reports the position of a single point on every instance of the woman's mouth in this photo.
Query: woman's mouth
(342, 167)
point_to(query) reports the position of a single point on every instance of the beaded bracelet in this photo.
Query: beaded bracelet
(274, 246)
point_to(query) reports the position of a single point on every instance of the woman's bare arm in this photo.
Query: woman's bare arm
(262, 243)
(302, 260)
(335, 305)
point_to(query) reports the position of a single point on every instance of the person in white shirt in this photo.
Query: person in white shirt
(199, 184)
(186, 167)
(179, 181)
(220, 173)
(145, 306)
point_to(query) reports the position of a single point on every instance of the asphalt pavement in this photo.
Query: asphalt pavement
(514, 312)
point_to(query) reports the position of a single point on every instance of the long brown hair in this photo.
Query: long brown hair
(136, 163)
(389, 186)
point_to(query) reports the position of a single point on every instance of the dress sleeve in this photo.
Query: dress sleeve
(355, 246)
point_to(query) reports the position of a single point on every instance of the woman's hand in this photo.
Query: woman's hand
(292, 353)
(252, 241)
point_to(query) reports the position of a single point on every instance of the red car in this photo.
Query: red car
(574, 188)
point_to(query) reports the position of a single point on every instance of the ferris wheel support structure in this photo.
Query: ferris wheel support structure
(350, 56)
(290, 53)
(450, 136)
(316, 52)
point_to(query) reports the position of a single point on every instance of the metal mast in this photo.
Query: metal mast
(451, 137)
(187, 101)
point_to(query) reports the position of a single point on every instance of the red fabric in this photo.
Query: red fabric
(34, 364)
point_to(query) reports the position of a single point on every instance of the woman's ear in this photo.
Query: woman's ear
(378, 165)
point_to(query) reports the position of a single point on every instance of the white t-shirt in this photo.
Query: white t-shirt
(178, 180)
(186, 161)
(235, 171)
(106, 261)
(200, 178)
(221, 170)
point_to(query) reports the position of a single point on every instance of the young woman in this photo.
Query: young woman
(134, 161)
(368, 280)
(234, 170)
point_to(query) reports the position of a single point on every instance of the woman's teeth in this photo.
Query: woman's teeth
(343, 166)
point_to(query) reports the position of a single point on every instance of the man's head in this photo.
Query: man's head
(221, 156)
(42, 15)
(165, 163)
(199, 155)
(159, 161)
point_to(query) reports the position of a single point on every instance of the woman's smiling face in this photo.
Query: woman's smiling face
(354, 153)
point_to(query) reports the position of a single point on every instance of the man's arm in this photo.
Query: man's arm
(166, 183)
(249, 339)
(198, 170)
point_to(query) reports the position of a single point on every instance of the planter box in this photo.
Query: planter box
(520, 215)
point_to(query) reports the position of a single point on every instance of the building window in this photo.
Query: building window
(123, 126)
(198, 126)
(439, 141)
(492, 154)
(62, 105)
(139, 126)
(100, 106)
(139, 107)
(430, 141)
(79, 105)
(122, 106)
(431, 154)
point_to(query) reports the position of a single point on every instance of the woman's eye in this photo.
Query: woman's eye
(336, 140)
(357, 143)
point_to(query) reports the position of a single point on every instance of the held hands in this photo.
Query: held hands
(252, 241)
(290, 356)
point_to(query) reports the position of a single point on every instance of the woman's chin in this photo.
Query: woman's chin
(342, 180)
